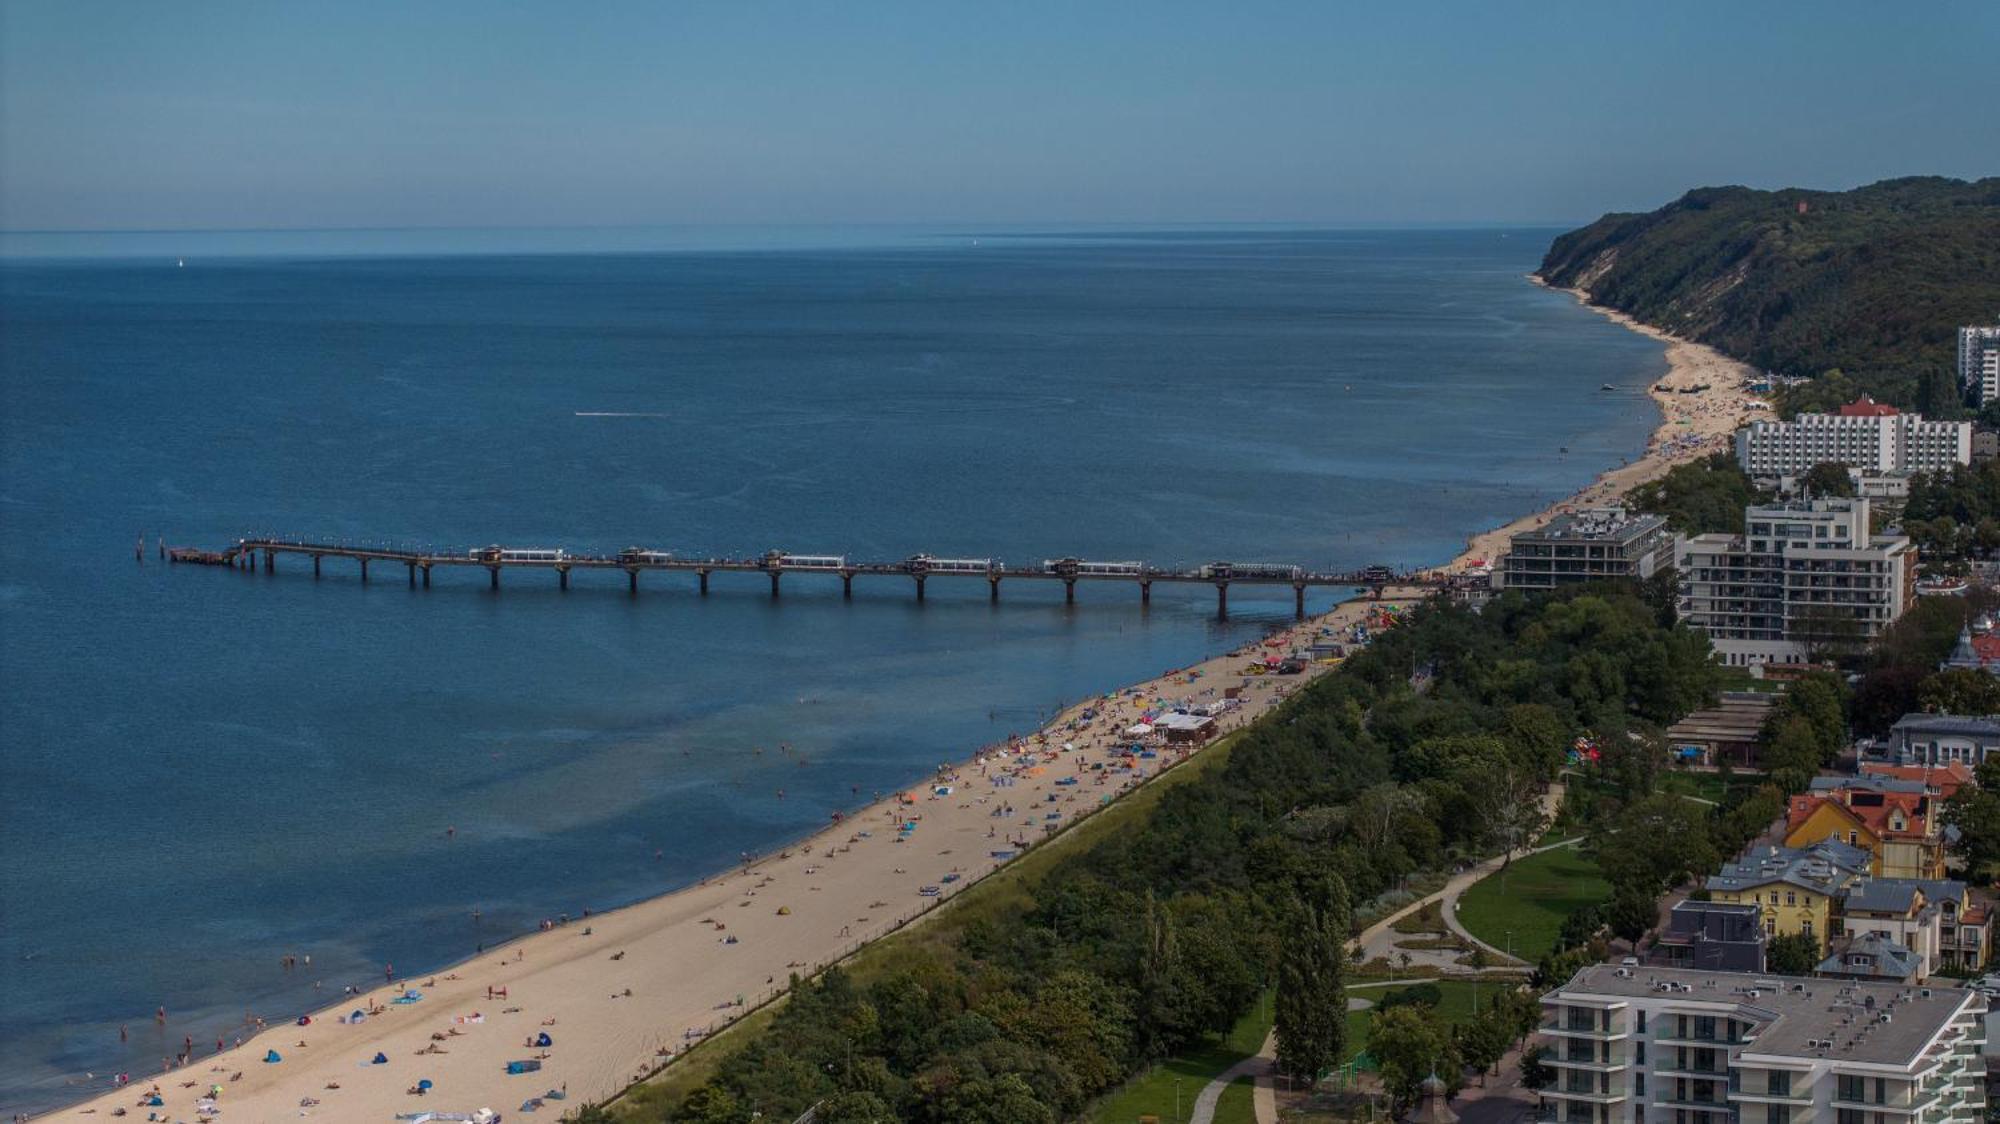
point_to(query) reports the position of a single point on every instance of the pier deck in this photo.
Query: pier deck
(918, 569)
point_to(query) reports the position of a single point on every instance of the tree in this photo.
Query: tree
(1410, 1043)
(1791, 954)
(1311, 1016)
(1006, 1099)
(1975, 811)
(1792, 753)
(1657, 843)
(1960, 690)
(1827, 479)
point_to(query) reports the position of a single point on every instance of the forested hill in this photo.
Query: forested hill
(1873, 282)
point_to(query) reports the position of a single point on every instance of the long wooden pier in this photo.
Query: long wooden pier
(777, 565)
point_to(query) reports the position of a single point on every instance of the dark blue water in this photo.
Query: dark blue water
(205, 770)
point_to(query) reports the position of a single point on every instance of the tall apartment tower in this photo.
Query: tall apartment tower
(1979, 362)
(1803, 574)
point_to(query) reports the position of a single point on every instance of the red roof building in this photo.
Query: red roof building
(1866, 407)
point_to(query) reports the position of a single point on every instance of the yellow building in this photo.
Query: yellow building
(1795, 889)
(1894, 821)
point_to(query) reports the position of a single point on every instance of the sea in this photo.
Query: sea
(205, 771)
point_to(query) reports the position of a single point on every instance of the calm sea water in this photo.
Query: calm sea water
(206, 770)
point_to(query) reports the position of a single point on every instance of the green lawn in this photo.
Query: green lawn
(1523, 906)
(1712, 787)
(1153, 1092)
(1459, 1004)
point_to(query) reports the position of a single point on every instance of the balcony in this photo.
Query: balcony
(1592, 1095)
(1923, 1103)
(1565, 1028)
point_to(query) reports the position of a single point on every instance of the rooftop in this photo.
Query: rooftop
(1822, 868)
(1866, 407)
(1794, 1016)
(1596, 524)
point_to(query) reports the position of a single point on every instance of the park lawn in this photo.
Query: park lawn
(1523, 907)
(1712, 787)
(1153, 1092)
(1460, 1003)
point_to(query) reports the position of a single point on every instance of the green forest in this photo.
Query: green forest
(1870, 283)
(1428, 749)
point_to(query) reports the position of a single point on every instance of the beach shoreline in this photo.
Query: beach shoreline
(622, 991)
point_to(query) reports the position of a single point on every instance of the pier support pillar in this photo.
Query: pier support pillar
(1222, 600)
(632, 581)
(1145, 593)
(364, 571)
(427, 575)
(1299, 600)
(316, 559)
(413, 574)
(775, 575)
(847, 585)
(703, 574)
(993, 590)
(270, 561)
(493, 577)
(562, 577)
(920, 587)
(1069, 591)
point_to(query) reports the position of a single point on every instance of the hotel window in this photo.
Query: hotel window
(1777, 1083)
(1791, 898)
(1777, 1114)
(1639, 1084)
(1639, 1054)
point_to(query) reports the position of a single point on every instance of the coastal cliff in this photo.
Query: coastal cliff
(1873, 282)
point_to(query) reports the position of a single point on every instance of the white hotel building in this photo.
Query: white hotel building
(1979, 362)
(1865, 435)
(1802, 573)
(1643, 1045)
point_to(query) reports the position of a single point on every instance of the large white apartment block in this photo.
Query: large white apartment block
(1979, 362)
(1803, 574)
(1642, 1045)
(1864, 435)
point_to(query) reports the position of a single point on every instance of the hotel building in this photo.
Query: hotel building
(1863, 435)
(1584, 546)
(1633, 1045)
(1979, 362)
(1802, 574)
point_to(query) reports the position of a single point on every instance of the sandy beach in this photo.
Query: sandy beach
(619, 993)
(1692, 425)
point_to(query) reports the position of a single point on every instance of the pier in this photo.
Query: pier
(776, 565)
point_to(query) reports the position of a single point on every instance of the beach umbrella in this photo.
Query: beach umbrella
(380, 1059)
(272, 1056)
(424, 1083)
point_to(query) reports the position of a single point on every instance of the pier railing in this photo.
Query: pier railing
(777, 565)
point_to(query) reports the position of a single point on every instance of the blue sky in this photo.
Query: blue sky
(217, 114)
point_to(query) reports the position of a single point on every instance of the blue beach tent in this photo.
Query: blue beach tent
(380, 1059)
(543, 1039)
(272, 1056)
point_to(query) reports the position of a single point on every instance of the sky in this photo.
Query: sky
(257, 115)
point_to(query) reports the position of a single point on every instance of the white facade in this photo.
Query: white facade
(1979, 362)
(1871, 438)
(1801, 574)
(1636, 1045)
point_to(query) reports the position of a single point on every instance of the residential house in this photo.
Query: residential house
(1872, 958)
(1794, 888)
(1895, 821)
(1938, 739)
(1714, 935)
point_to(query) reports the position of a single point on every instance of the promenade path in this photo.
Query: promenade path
(1378, 941)
(1263, 1094)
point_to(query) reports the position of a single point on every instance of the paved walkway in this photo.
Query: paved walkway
(1378, 941)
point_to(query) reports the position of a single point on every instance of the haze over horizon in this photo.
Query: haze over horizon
(120, 116)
